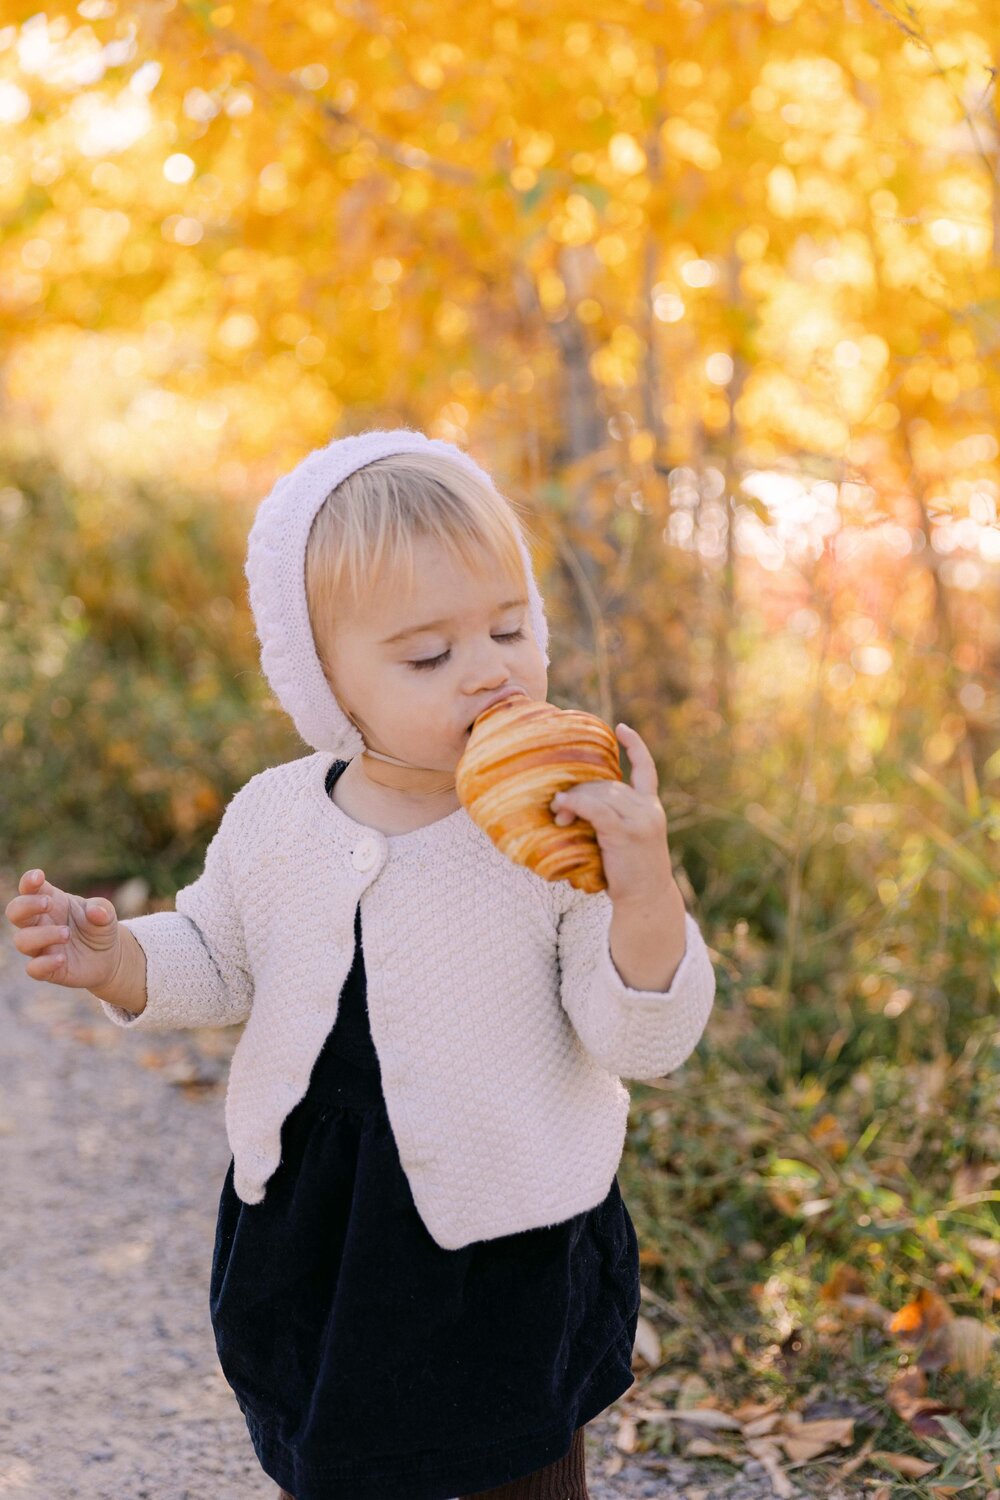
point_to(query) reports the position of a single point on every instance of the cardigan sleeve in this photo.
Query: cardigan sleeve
(632, 1033)
(197, 972)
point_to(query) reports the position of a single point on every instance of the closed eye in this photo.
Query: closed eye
(431, 662)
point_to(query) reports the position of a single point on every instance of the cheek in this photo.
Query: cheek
(416, 687)
(536, 672)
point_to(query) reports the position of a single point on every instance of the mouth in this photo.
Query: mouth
(493, 705)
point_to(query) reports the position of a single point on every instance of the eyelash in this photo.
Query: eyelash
(430, 662)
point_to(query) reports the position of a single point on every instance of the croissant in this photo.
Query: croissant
(518, 755)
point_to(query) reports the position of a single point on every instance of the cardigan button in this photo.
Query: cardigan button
(364, 854)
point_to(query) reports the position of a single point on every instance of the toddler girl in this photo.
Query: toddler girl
(425, 1282)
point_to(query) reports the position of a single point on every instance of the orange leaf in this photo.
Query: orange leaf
(916, 1319)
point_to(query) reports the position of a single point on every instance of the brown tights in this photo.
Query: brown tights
(566, 1479)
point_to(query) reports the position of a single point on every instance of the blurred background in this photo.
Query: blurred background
(714, 289)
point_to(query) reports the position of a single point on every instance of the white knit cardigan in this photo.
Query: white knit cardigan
(500, 1021)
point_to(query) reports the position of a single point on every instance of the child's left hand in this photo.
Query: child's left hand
(630, 825)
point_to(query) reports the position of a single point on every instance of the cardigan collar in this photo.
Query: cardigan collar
(442, 832)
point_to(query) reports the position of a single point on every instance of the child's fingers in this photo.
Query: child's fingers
(26, 908)
(33, 883)
(33, 940)
(98, 914)
(37, 895)
(46, 966)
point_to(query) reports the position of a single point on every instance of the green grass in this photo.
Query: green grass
(748, 1191)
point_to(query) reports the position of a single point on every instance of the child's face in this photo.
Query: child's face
(422, 714)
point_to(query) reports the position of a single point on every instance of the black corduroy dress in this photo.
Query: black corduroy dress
(371, 1363)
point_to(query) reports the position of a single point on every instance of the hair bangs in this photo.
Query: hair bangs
(362, 537)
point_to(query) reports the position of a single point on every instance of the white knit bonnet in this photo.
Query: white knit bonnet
(276, 573)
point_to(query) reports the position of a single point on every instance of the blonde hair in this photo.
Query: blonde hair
(363, 533)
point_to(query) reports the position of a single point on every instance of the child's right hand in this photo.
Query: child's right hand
(88, 956)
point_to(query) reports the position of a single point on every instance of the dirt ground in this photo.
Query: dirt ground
(112, 1154)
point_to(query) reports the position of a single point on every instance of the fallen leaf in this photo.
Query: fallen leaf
(693, 1390)
(803, 1441)
(762, 1425)
(969, 1344)
(767, 1454)
(704, 1448)
(858, 1459)
(904, 1463)
(916, 1319)
(649, 1411)
(905, 1395)
(844, 1279)
(647, 1343)
(925, 1424)
(704, 1416)
(749, 1411)
(627, 1436)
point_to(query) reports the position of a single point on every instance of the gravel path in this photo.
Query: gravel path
(112, 1154)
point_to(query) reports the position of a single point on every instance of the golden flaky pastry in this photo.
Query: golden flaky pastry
(519, 754)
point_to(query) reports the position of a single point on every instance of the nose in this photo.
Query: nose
(479, 695)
